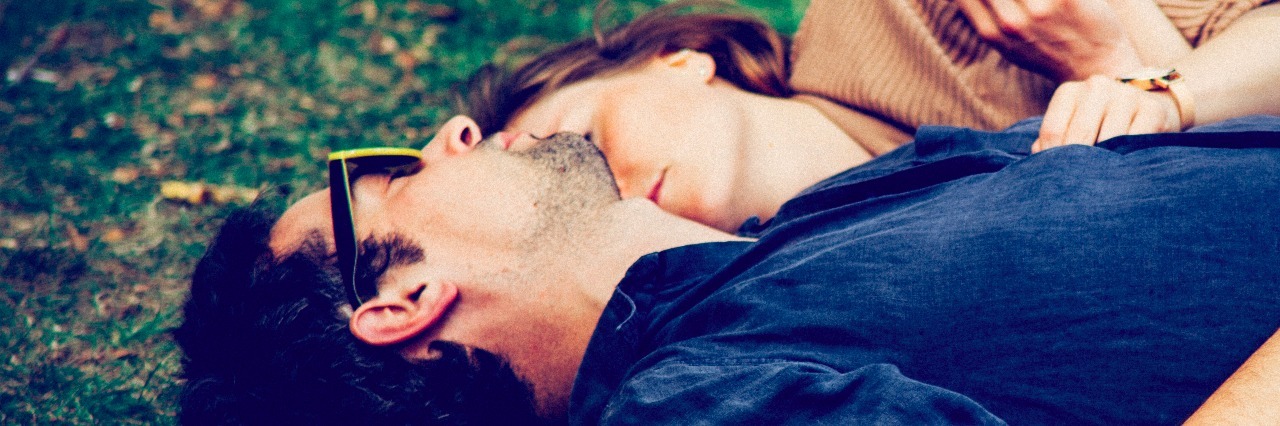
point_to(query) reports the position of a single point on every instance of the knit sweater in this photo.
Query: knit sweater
(882, 68)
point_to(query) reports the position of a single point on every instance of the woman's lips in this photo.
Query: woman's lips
(656, 191)
(507, 138)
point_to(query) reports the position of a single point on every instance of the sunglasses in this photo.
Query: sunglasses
(345, 167)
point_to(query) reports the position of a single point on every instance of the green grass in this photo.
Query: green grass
(108, 99)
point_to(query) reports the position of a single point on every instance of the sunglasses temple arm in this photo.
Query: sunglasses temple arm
(344, 236)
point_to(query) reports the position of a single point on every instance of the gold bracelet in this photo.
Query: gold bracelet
(1153, 79)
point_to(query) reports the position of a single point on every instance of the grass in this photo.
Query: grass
(104, 102)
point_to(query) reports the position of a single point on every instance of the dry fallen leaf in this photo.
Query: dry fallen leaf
(405, 61)
(190, 192)
(442, 12)
(160, 19)
(77, 240)
(113, 235)
(113, 120)
(125, 175)
(204, 81)
(201, 193)
(369, 11)
(388, 44)
(202, 107)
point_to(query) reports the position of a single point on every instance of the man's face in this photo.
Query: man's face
(471, 211)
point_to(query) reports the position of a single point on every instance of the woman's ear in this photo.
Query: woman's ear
(459, 135)
(696, 63)
(396, 316)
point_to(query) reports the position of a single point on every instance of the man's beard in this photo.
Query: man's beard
(576, 173)
(575, 185)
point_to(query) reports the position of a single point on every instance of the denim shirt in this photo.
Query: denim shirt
(959, 280)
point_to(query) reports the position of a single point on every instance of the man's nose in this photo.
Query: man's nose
(458, 136)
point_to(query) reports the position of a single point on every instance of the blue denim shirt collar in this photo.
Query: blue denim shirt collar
(651, 288)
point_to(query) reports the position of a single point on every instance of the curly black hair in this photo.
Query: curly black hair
(265, 342)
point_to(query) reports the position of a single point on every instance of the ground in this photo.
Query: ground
(128, 127)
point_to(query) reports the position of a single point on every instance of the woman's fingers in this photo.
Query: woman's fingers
(1153, 116)
(1119, 117)
(1087, 119)
(1097, 109)
(1053, 129)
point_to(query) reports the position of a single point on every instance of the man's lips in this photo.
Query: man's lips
(656, 191)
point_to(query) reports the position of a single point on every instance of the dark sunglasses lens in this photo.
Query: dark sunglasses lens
(379, 164)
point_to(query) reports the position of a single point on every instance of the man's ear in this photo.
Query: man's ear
(696, 63)
(395, 316)
(459, 135)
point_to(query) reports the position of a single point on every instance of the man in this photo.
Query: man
(957, 280)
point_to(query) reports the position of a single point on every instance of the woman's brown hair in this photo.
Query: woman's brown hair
(747, 52)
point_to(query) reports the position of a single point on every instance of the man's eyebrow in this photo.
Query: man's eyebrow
(377, 255)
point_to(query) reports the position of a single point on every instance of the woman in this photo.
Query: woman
(696, 112)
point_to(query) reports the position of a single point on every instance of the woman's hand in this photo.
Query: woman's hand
(1063, 39)
(1097, 109)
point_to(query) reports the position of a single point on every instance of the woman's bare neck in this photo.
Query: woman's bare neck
(790, 146)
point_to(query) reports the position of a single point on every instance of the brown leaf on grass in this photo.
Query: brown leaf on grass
(113, 120)
(163, 21)
(160, 19)
(175, 120)
(123, 353)
(204, 81)
(382, 44)
(202, 107)
(125, 175)
(113, 235)
(388, 44)
(279, 164)
(405, 61)
(78, 241)
(217, 8)
(438, 11)
(203, 193)
(143, 127)
(369, 11)
(182, 51)
(377, 74)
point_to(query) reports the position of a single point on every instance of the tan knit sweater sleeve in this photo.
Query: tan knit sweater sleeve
(918, 62)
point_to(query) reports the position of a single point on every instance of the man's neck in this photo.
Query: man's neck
(630, 229)
(586, 273)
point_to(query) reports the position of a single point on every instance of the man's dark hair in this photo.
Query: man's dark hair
(265, 342)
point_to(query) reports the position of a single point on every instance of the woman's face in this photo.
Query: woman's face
(669, 131)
